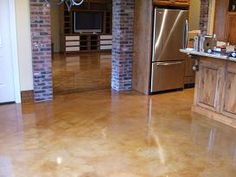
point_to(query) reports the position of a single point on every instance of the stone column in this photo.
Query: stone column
(41, 50)
(122, 47)
(204, 15)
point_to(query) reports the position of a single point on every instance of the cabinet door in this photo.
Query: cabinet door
(163, 2)
(232, 28)
(209, 84)
(229, 96)
(189, 76)
(182, 2)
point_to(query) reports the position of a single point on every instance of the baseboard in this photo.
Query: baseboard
(189, 85)
(27, 96)
(215, 116)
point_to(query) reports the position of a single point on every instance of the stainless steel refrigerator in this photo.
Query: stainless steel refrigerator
(170, 33)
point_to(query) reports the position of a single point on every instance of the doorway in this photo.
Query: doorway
(9, 82)
(81, 59)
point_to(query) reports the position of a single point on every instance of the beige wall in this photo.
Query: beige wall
(194, 14)
(24, 44)
(211, 21)
(55, 21)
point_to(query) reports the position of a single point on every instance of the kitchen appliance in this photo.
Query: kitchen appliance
(170, 34)
(205, 43)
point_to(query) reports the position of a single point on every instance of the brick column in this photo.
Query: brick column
(204, 16)
(41, 47)
(122, 47)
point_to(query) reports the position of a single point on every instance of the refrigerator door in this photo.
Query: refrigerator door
(170, 34)
(167, 76)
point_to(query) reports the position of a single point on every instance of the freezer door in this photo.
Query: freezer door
(170, 34)
(167, 76)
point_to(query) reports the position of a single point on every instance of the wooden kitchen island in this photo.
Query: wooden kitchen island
(215, 89)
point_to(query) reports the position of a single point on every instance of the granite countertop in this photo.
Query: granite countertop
(191, 51)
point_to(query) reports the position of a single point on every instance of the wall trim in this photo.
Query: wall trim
(15, 63)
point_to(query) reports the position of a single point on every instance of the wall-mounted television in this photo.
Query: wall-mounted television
(88, 22)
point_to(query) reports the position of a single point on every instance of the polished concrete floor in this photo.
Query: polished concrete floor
(82, 72)
(106, 134)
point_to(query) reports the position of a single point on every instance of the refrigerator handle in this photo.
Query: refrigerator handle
(168, 64)
(154, 35)
(186, 34)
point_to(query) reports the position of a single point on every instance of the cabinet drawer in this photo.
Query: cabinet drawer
(106, 37)
(106, 47)
(72, 49)
(72, 38)
(106, 42)
(167, 76)
(72, 43)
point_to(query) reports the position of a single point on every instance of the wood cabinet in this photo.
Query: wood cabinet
(228, 106)
(215, 90)
(209, 83)
(86, 42)
(232, 28)
(180, 3)
(163, 2)
(189, 76)
(220, 26)
(225, 22)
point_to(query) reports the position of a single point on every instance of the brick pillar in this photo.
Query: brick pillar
(41, 47)
(122, 47)
(204, 16)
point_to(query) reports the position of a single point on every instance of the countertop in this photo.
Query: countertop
(191, 51)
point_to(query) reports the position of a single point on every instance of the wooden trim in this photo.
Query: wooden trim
(27, 96)
(143, 28)
(215, 116)
(15, 61)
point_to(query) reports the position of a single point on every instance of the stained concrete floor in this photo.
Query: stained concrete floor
(106, 134)
(82, 72)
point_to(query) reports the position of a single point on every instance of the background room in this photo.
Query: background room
(82, 42)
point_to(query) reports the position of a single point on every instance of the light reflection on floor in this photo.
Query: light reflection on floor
(106, 134)
(82, 72)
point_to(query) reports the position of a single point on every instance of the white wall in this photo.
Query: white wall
(24, 44)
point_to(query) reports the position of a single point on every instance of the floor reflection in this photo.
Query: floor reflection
(103, 133)
(6, 167)
(217, 141)
(82, 72)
